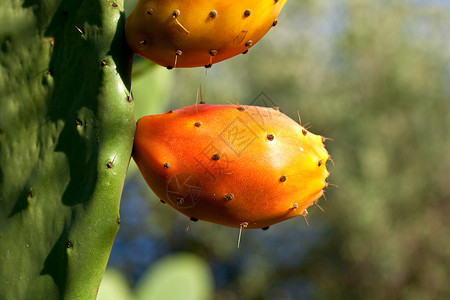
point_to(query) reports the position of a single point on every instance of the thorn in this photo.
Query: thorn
(332, 184)
(299, 118)
(178, 52)
(306, 220)
(307, 126)
(317, 204)
(175, 14)
(237, 101)
(119, 220)
(305, 214)
(196, 101)
(239, 107)
(229, 102)
(191, 219)
(188, 225)
(201, 96)
(330, 159)
(241, 226)
(81, 31)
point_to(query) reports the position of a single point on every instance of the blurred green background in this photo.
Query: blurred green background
(374, 76)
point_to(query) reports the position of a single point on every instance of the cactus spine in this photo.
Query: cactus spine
(66, 129)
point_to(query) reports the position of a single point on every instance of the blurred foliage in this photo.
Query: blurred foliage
(151, 85)
(114, 286)
(180, 276)
(374, 77)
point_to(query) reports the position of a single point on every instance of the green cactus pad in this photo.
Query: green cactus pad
(66, 130)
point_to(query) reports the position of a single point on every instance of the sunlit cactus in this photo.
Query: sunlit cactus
(66, 131)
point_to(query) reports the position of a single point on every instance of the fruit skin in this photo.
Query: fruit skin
(238, 166)
(186, 33)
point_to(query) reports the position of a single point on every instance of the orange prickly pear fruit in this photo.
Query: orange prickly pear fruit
(194, 33)
(238, 166)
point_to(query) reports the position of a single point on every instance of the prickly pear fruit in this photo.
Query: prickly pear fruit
(188, 33)
(239, 166)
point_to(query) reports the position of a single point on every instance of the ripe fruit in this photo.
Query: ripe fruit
(182, 33)
(239, 166)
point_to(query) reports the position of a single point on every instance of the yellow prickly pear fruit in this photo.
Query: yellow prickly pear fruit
(244, 166)
(194, 33)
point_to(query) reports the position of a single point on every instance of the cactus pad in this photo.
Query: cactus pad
(66, 129)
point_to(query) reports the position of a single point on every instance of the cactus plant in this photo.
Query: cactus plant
(198, 33)
(66, 129)
(239, 166)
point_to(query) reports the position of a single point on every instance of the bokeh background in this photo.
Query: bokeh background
(371, 75)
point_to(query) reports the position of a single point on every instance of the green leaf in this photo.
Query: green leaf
(180, 276)
(114, 286)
